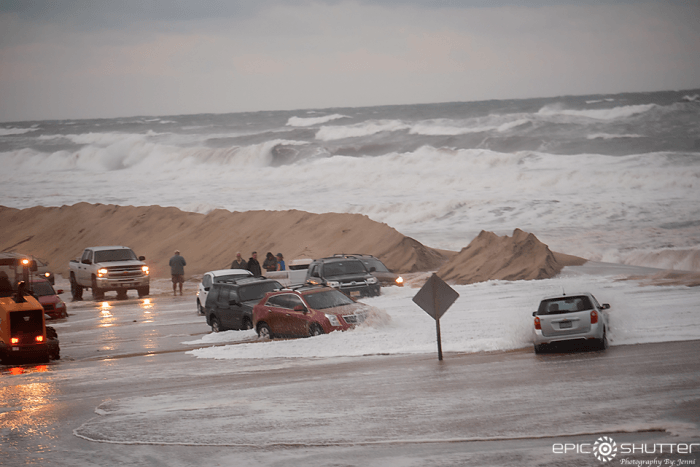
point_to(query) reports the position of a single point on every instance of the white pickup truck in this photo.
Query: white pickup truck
(108, 268)
(294, 275)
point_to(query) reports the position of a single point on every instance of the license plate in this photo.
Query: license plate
(15, 349)
(355, 294)
(565, 324)
(127, 285)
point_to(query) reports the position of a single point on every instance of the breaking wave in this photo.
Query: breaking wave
(597, 114)
(311, 121)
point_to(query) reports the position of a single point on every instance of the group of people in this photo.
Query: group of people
(271, 263)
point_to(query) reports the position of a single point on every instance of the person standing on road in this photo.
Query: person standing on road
(177, 270)
(239, 262)
(254, 265)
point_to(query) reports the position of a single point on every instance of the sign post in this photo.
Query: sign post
(435, 297)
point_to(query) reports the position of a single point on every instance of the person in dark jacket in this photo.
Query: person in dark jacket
(177, 270)
(254, 266)
(270, 263)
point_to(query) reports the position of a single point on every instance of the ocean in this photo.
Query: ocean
(612, 178)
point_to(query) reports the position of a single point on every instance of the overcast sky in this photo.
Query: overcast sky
(112, 58)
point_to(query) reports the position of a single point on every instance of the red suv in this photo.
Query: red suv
(49, 298)
(306, 311)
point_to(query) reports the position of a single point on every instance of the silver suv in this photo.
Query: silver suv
(577, 317)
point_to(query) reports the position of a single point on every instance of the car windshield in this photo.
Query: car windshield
(106, 256)
(43, 288)
(230, 277)
(257, 291)
(561, 305)
(376, 264)
(327, 299)
(342, 268)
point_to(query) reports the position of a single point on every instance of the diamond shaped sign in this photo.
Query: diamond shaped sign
(435, 297)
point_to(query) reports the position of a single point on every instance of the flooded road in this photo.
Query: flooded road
(127, 393)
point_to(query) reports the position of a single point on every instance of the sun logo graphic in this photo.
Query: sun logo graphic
(605, 449)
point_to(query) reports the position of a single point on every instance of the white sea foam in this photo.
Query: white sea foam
(15, 131)
(446, 127)
(371, 127)
(311, 121)
(468, 325)
(598, 114)
(612, 136)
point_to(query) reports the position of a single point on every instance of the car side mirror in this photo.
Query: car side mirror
(142, 258)
(300, 308)
(233, 302)
(86, 261)
(206, 289)
(59, 291)
(534, 313)
(605, 306)
(372, 269)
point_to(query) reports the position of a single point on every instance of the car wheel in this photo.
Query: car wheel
(200, 310)
(264, 331)
(603, 342)
(76, 291)
(97, 293)
(215, 324)
(144, 291)
(315, 329)
(539, 348)
(247, 324)
(53, 344)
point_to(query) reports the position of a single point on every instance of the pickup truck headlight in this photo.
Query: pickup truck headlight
(144, 269)
(102, 272)
(372, 280)
(333, 320)
(334, 284)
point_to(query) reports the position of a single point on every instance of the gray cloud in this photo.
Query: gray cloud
(88, 59)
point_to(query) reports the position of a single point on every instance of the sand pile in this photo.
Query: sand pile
(59, 234)
(490, 257)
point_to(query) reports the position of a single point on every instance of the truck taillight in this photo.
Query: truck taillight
(39, 338)
(538, 325)
(14, 340)
(594, 316)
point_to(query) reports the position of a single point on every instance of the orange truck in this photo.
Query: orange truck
(23, 331)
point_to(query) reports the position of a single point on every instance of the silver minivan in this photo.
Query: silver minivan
(577, 317)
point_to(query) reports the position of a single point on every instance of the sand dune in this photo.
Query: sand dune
(520, 257)
(59, 234)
